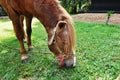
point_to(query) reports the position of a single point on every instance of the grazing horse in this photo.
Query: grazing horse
(57, 22)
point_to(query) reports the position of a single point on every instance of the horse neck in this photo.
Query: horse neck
(50, 15)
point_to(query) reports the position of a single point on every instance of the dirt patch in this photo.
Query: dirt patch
(97, 17)
(92, 17)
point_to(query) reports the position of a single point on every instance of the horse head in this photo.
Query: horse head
(61, 43)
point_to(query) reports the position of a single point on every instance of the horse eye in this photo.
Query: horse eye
(63, 43)
(54, 41)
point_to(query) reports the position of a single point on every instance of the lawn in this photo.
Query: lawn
(97, 52)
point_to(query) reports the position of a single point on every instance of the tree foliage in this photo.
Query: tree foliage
(75, 6)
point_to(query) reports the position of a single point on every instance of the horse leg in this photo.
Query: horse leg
(22, 25)
(20, 36)
(29, 31)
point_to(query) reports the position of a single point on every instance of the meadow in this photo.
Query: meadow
(97, 52)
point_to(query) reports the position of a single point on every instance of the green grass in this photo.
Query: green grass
(97, 52)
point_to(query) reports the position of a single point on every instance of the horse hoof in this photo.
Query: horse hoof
(30, 49)
(25, 60)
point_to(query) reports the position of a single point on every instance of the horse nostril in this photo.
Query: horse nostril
(64, 65)
(72, 66)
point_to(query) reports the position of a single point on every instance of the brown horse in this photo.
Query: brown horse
(57, 22)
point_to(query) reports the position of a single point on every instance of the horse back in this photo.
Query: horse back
(18, 6)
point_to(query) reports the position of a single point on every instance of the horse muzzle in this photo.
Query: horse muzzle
(66, 63)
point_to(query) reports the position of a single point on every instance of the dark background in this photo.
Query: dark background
(105, 5)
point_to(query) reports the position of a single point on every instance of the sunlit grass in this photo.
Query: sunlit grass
(97, 52)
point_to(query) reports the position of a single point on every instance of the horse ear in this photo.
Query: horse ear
(60, 25)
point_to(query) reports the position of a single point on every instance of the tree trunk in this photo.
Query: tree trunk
(74, 10)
